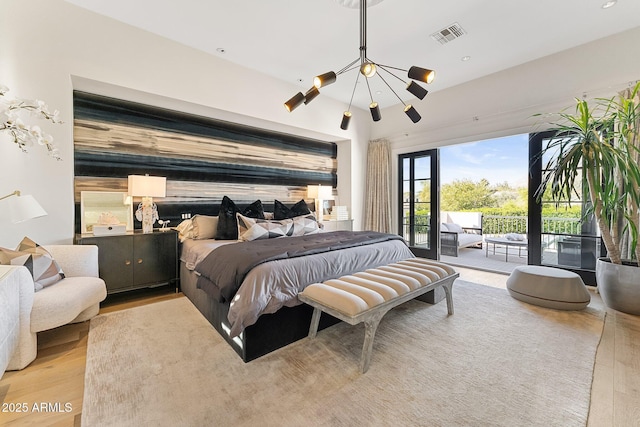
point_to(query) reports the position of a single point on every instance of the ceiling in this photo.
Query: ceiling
(295, 40)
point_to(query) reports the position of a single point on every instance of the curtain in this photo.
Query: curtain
(377, 200)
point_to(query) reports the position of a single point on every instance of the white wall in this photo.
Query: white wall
(50, 47)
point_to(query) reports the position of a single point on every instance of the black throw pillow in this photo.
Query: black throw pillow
(280, 211)
(227, 221)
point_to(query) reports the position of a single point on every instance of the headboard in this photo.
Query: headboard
(202, 158)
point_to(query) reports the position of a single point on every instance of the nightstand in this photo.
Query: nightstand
(335, 225)
(136, 260)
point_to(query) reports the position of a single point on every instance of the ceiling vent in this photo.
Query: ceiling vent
(449, 33)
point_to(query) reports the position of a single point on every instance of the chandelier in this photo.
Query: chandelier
(369, 69)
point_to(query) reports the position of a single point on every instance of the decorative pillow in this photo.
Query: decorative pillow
(256, 229)
(185, 230)
(204, 227)
(515, 237)
(454, 227)
(443, 227)
(305, 224)
(228, 224)
(43, 268)
(280, 211)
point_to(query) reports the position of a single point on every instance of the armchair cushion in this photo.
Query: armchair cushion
(455, 228)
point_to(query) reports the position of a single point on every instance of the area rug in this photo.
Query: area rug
(495, 362)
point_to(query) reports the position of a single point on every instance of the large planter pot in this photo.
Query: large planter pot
(619, 285)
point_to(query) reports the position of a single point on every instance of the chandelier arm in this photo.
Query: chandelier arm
(346, 68)
(389, 66)
(382, 67)
(355, 85)
(391, 89)
(352, 68)
(368, 87)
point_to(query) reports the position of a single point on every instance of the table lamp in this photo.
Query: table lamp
(319, 193)
(147, 187)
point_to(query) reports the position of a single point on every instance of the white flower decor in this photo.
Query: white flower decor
(24, 135)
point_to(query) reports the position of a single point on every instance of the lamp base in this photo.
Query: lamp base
(147, 213)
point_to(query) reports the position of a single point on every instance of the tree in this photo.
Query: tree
(466, 195)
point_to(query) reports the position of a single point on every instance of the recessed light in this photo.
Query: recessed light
(609, 4)
(465, 58)
(221, 50)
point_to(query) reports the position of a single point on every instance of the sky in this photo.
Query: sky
(497, 160)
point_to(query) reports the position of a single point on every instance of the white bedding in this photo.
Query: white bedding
(275, 284)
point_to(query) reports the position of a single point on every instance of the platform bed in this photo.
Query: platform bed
(248, 290)
(269, 333)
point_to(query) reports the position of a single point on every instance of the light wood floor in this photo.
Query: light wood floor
(57, 374)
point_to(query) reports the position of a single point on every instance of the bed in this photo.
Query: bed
(264, 314)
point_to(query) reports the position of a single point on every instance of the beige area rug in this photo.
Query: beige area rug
(495, 362)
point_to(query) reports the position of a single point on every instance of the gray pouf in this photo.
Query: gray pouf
(548, 287)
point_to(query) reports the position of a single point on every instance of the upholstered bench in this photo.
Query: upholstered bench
(367, 296)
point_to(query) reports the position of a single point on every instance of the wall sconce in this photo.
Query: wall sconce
(319, 193)
(23, 208)
(147, 187)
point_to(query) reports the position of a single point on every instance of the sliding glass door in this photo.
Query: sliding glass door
(419, 204)
(562, 234)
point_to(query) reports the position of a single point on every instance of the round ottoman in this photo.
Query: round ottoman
(548, 287)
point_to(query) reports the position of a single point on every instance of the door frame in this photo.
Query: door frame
(433, 252)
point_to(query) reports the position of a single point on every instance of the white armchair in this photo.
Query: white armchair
(74, 299)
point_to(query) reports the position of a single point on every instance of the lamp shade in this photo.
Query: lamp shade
(24, 208)
(417, 90)
(321, 192)
(311, 93)
(346, 118)
(412, 113)
(324, 79)
(294, 102)
(375, 111)
(147, 186)
(421, 74)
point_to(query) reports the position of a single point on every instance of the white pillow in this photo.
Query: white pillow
(185, 230)
(454, 227)
(204, 227)
(443, 227)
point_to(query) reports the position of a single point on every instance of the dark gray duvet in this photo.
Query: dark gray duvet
(274, 284)
(221, 273)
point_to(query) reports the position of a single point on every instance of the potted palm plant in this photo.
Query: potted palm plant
(600, 144)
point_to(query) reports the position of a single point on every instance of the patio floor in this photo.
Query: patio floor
(479, 259)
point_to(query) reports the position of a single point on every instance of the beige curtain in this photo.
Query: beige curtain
(377, 199)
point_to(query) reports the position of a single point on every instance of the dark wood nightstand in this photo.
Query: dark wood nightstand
(136, 260)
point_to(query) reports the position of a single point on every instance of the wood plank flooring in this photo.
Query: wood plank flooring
(56, 377)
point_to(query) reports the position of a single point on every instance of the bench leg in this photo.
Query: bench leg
(315, 321)
(370, 327)
(448, 292)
